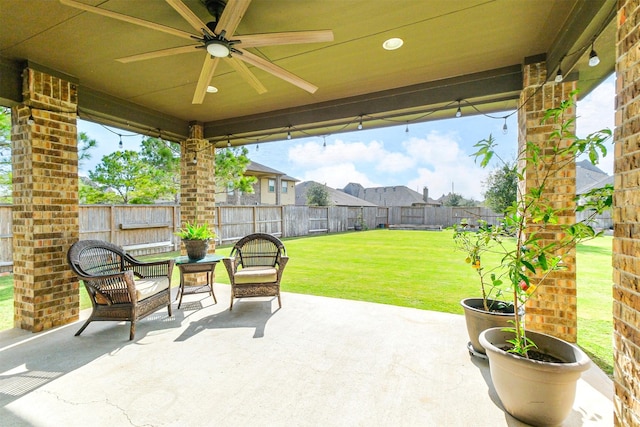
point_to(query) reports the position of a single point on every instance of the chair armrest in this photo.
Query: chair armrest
(115, 288)
(281, 265)
(231, 264)
(150, 269)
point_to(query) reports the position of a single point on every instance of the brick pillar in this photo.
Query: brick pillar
(626, 215)
(198, 184)
(553, 308)
(45, 202)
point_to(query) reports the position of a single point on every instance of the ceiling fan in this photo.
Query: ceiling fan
(216, 39)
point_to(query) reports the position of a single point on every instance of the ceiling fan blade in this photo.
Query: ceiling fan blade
(246, 74)
(157, 54)
(272, 68)
(231, 16)
(189, 16)
(293, 37)
(129, 19)
(208, 68)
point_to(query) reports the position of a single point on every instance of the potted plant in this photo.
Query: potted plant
(522, 362)
(486, 311)
(196, 239)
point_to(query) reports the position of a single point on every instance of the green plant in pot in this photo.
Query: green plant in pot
(532, 242)
(489, 310)
(196, 239)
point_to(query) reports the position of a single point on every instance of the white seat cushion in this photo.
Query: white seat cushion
(148, 287)
(256, 275)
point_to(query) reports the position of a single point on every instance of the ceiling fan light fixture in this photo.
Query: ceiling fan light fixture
(212, 89)
(393, 43)
(218, 48)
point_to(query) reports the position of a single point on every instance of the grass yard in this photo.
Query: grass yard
(419, 269)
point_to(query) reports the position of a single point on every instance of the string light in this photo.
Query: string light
(406, 130)
(120, 144)
(257, 147)
(324, 142)
(289, 133)
(195, 158)
(593, 57)
(360, 124)
(228, 142)
(505, 130)
(459, 110)
(30, 120)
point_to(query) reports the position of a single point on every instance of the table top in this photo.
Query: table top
(206, 260)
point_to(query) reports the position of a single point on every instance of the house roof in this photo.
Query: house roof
(397, 195)
(258, 169)
(466, 53)
(337, 197)
(589, 176)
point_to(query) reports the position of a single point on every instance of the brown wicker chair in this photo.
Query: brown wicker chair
(120, 287)
(255, 267)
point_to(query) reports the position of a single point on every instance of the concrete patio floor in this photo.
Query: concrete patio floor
(315, 362)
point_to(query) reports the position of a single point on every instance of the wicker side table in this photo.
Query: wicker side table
(189, 266)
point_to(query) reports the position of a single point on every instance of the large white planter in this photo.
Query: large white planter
(538, 393)
(477, 320)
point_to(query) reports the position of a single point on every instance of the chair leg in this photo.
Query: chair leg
(84, 326)
(279, 302)
(169, 309)
(132, 332)
(231, 305)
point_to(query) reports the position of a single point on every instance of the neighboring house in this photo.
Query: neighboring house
(336, 197)
(398, 195)
(272, 188)
(589, 177)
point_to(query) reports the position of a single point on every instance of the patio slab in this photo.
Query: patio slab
(315, 362)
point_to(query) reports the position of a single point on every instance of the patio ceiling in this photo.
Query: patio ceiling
(470, 50)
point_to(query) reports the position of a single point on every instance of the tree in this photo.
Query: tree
(317, 195)
(5, 154)
(126, 175)
(231, 164)
(453, 199)
(164, 159)
(502, 187)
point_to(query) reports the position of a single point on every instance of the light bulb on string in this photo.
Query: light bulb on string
(505, 130)
(406, 130)
(30, 120)
(257, 147)
(228, 143)
(324, 142)
(360, 124)
(289, 133)
(120, 144)
(559, 76)
(593, 57)
(195, 159)
(459, 110)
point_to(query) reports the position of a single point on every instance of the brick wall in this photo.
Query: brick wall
(553, 308)
(45, 198)
(197, 181)
(626, 243)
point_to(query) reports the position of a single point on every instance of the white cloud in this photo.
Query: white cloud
(314, 153)
(338, 176)
(395, 162)
(435, 149)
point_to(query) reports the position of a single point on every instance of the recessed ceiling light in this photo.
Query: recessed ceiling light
(392, 44)
(212, 89)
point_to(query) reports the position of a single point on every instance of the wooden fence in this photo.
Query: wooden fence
(149, 229)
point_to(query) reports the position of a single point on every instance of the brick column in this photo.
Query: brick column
(45, 202)
(626, 215)
(197, 183)
(553, 308)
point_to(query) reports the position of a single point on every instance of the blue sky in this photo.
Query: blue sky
(433, 154)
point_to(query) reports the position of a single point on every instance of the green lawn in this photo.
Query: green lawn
(419, 269)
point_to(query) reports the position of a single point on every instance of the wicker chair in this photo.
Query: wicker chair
(255, 267)
(120, 287)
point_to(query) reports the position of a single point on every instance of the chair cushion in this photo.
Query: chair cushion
(262, 274)
(149, 287)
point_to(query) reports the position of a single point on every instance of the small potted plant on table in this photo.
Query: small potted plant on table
(196, 239)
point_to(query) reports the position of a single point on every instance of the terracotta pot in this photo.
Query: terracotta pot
(196, 249)
(478, 320)
(538, 393)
